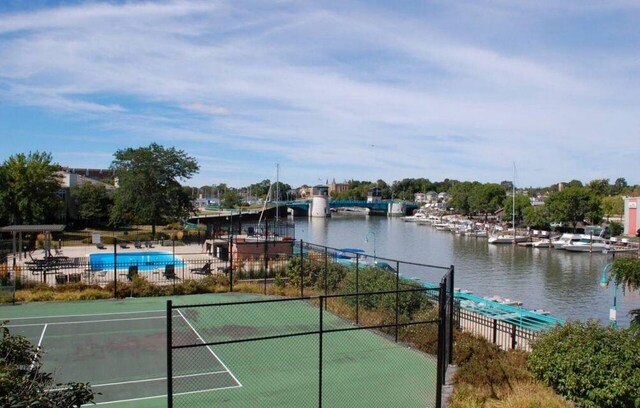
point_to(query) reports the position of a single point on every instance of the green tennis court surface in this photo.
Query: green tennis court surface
(119, 346)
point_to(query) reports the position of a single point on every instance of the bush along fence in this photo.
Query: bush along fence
(267, 263)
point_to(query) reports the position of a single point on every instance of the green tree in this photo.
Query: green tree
(599, 186)
(29, 187)
(536, 217)
(573, 183)
(93, 204)
(486, 198)
(626, 271)
(573, 205)
(24, 384)
(618, 186)
(231, 199)
(148, 188)
(459, 195)
(594, 366)
(522, 203)
(612, 205)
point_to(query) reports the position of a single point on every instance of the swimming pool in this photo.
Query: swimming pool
(146, 261)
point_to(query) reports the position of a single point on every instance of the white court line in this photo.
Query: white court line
(162, 396)
(158, 379)
(87, 321)
(38, 348)
(81, 315)
(209, 348)
(42, 335)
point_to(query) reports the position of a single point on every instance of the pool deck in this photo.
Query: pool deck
(194, 255)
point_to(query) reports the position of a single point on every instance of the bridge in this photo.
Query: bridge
(378, 207)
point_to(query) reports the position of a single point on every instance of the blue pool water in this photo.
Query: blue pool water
(146, 261)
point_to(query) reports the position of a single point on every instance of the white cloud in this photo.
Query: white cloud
(206, 109)
(314, 86)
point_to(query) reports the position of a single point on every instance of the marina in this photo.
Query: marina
(562, 283)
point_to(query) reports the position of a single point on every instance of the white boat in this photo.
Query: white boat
(565, 239)
(507, 239)
(588, 243)
(418, 216)
(477, 233)
(542, 243)
(510, 239)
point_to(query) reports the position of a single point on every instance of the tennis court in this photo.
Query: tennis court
(119, 346)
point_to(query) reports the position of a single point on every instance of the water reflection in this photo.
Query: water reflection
(564, 283)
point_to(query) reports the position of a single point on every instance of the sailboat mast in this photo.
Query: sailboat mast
(513, 204)
(277, 191)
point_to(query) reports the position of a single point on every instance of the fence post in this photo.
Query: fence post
(169, 355)
(450, 317)
(266, 258)
(357, 289)
(322, 302)
(115, 267)
(514, 329)
(495, 331)
(326, 270)
(397, 296)
(441, 344)
(301, 269)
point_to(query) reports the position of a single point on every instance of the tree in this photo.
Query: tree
(618, 186)
(626, 271)
(24, 384)
(231, 199)
(612, 205)
(536, 217)
(148, 188)
(573, 205)
(29, 186)
(486, 198)
(522, 203)
(599, 186)
(93, 204)
(459, 196)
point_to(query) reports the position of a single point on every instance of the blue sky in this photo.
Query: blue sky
(333, 89)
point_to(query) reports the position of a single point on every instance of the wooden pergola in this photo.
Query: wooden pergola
(18, 230)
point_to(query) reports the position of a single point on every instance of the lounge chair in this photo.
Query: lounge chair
(170, 272)
(123, 245)
(148, 244)
(137, 245)
(133, 272)
(204, 270)
(100, 245)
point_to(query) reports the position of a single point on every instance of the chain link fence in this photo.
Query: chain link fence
(307, 351)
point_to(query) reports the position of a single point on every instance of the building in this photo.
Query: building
(374, 195)
(631, 215)
(337, 187)
(420, 198)
(71, 177)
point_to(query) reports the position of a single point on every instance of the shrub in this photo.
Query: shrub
(24, 384)
(483, 364)
(312, 270)
(371, 279)
(592, 365)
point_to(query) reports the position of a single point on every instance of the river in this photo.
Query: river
(563, 283)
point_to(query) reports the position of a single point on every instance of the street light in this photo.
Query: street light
(366, 240)
(604, 282)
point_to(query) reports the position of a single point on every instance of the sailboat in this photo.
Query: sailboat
(506, 238)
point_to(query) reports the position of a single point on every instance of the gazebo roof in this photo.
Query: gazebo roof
(33, 228)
